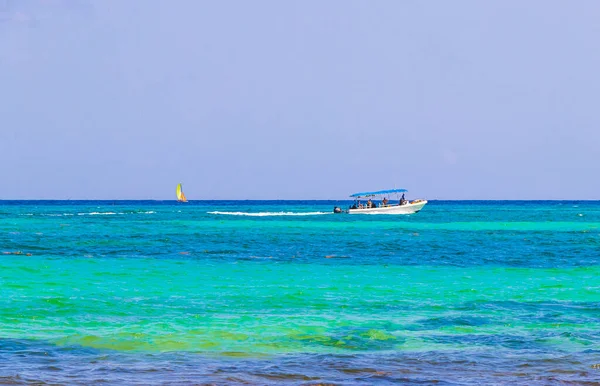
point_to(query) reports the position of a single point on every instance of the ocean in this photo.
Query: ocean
(286, 292)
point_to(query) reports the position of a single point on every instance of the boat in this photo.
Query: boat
(180, 195)
(378, 203)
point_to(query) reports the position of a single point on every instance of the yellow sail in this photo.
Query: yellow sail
(180, 195)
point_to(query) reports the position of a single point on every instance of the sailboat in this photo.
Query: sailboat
(180, 195)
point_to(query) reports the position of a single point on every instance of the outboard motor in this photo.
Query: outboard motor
(337, 209)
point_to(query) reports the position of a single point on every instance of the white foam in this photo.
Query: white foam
(97, 214)
(264, 214)
(48, 214)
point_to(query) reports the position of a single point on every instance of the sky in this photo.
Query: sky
(112, 99)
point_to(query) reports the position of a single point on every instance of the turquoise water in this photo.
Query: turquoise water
(278, 292)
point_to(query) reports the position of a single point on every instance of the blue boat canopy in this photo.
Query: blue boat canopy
(365, 194)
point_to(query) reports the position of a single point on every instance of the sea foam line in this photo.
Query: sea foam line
(84, 214)
(99, 214)
(264, 214)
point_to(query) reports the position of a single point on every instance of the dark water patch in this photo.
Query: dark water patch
(23, 362)
(543, 311)
(441, 322)
(494, 341)
(352, 339)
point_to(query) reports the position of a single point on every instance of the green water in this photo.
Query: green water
(271, 307)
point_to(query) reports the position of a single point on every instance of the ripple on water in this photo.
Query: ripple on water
(142, 293)
(37, 362)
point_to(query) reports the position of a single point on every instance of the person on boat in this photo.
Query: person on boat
(385, 201)
(402, 200)
(369, 203)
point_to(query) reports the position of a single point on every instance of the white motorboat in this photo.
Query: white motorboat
(378, 203)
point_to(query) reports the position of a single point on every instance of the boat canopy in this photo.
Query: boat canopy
(366, 194)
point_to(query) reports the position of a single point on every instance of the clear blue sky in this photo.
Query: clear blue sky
(113, 99)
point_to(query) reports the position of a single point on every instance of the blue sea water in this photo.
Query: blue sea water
(286, 292)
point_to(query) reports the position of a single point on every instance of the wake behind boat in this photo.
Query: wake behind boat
(378, 203)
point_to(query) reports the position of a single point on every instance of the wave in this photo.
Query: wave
(47, 214)
(264, 214)
(98, 213)
(85, 213)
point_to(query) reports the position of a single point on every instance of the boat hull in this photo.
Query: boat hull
(391, 209)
